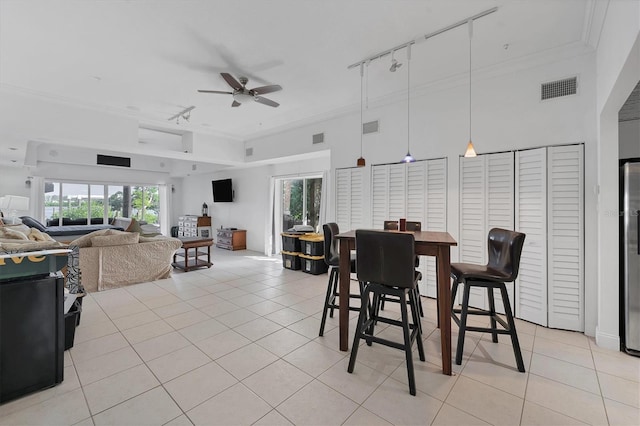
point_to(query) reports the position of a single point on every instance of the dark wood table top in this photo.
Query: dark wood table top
(195, 241)
(434, 237)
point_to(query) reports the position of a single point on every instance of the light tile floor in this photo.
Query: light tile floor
(238, 344)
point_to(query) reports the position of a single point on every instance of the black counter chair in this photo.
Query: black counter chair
(412, 226)
(385, 263)
(504, 248)
(332, 259)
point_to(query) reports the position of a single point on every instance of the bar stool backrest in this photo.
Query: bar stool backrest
(385, 258)
(331, 249)
(505, 249)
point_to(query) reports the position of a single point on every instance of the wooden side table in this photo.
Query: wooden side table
(195, 243)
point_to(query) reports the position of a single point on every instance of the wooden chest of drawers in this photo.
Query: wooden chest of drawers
(231, 239)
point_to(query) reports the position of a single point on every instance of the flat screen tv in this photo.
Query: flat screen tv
(222, 191)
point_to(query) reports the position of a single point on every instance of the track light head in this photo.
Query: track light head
(394, 65)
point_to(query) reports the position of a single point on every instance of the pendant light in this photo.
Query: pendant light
(470, 152)
(361, 162)
(408, 158)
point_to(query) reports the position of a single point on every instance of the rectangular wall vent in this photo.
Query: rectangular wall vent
(109, 160)
(556, 89)
(370, 127)
(248, 152)
(318, 138)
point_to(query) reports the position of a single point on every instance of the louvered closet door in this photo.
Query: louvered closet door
(566, 237)
(416, 202)
(473, 234)
(500, 189)
(435, 218)
(349, 209)
(379, 196)
(531, 218)
(397, 192)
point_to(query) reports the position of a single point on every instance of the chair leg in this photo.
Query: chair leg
(334, 290)
(419, 301)
(418, 307)
(327, 299)
(463, 323)
(492, 311)
(362, 319)
(512, 328)
(416, 321)
(407, 343)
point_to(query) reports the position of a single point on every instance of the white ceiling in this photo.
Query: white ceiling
(147, 59)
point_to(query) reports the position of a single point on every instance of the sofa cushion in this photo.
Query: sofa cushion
(85, 240)
(32, 223)
(8, 233)
(115, 240)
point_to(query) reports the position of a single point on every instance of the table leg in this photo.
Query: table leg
(208, 256)
(444, 304)
(186, 259)
(345, 271)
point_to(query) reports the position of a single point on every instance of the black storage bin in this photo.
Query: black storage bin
(312, 245)
(290, 260)
(291, 241)
(314, 265)
(71, 320)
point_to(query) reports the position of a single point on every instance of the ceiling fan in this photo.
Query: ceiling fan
(241, 94)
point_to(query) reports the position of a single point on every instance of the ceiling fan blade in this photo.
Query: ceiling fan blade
(236, 104)
(215, 91)
(266, 101)
(266, 89)
(231, 80)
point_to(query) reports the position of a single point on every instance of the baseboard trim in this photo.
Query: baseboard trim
(607, 341)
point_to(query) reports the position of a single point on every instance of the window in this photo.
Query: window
(99, 203)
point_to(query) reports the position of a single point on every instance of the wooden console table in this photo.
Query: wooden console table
(193, 243)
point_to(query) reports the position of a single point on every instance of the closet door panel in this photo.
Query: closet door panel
(500, 175)
(473, 232)
(531, 218)
(349, 208)
(379, 196)
(566, 237)
(435, 218)
(397, 192)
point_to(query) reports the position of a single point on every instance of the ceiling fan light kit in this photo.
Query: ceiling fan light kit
(243, 95)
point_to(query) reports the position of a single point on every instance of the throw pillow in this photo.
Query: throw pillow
(85, 240)
(134, 226)
(36, 235)
(32, 223)
(12, 234)
(115, 240)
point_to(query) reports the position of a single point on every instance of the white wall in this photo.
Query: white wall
(629, 138)
(618, 68)
(250, 207)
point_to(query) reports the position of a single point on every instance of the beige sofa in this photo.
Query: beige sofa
(111, 259)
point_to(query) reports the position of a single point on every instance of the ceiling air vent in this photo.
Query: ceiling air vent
(110, 160)
(318, 138)
(370, 127)
(556, 89)
(248, 152)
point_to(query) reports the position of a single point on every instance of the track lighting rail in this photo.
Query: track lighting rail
(427, 36)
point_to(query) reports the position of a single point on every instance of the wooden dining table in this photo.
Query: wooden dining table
(427, 243)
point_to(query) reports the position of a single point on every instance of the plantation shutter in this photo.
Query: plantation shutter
(379, 196)
(531, 218)
(349, 208)
(397, 191)
(566, 237)
(500, 171)
(473, 234)
(435, 218)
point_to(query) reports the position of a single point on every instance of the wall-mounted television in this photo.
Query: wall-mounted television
(222, 191)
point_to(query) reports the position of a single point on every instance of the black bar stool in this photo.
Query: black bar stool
(504, 248)
(385, 263)
(332, 258)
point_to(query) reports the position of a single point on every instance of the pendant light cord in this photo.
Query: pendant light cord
(408, 94)
(470, 37)
(361, 106)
